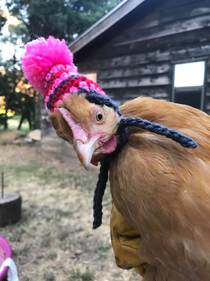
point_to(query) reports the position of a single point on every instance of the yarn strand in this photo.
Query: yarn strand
(99, 193)
(183, 140)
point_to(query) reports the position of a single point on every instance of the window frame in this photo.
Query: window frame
(190, 88)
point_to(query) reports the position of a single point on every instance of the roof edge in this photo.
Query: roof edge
(116, 14)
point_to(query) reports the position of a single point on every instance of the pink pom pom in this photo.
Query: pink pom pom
(41, 55)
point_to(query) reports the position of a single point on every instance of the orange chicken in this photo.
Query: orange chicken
(160, 188)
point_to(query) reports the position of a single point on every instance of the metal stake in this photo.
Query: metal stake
(2, 185)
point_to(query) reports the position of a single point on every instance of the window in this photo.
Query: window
(188, 85)
(92, 76)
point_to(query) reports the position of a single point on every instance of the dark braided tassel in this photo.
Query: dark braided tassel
(99, 193)
(183, 140)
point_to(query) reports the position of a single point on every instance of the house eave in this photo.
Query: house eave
(116, 14)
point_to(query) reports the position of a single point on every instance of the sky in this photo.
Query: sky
(7, 50)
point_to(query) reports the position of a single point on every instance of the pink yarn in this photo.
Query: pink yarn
(73, 89)
(46, 64)
(41, 55)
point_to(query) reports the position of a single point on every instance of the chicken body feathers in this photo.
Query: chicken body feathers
(163, 190)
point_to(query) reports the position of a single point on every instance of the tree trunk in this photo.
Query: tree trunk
(38, 106)
(6, 110)
(21, 121)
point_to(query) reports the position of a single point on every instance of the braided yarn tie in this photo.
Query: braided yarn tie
(99, 193)
(183, 140)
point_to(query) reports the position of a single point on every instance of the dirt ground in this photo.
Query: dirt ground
(54, 239)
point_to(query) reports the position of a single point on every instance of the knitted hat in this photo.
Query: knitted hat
(48, 65)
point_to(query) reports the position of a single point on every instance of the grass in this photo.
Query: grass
(6, 137)
(47, 174)
(52, 255)
(103, 250)
(13, 123)
(63, 235)
(46, 241)
(49, 276)
(4, 142)
(17, 234)
(22, 251)
(77, 275)
(54, 239)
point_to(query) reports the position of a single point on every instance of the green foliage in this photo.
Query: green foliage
(60, 18)
(11, 74)
(9, 79)
(2, 19)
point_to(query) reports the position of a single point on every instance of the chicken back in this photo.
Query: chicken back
(163, 190)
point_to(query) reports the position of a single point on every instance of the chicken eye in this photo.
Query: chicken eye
(99, 116)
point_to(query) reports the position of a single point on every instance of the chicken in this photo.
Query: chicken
(166, 196)
(160, 188)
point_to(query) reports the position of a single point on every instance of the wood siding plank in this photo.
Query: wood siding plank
(169, 29)
(134, 82)
(149, 69)
(158, 92)
(147, 58)
(167, 15)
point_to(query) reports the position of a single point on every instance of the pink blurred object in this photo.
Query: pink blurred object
(5, 252)
(44, 57)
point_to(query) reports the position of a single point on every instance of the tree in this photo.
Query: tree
(11, 71)
(19, 96)
(60, 18)
(2, 20)
(9, 79)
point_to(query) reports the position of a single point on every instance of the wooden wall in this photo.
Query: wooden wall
(138, 58)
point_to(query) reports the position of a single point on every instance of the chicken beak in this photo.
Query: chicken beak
(85, 151)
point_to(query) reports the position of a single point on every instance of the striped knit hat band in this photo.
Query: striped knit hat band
(58, 89)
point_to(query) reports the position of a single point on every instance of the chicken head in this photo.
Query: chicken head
(90, 128)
